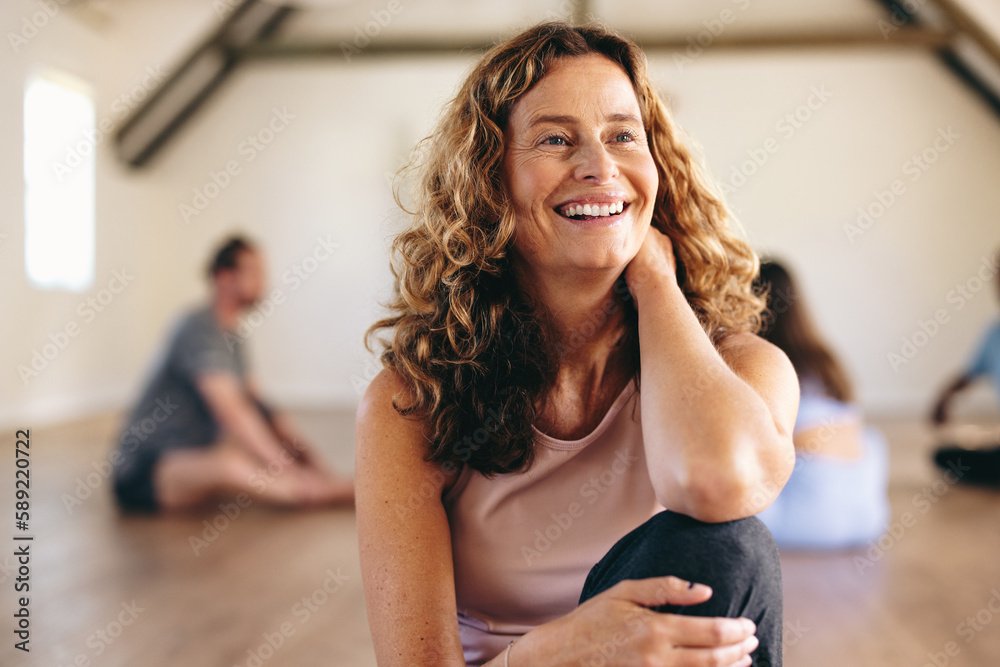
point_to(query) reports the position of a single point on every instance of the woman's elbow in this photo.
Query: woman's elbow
(713, 500)
(716, 492)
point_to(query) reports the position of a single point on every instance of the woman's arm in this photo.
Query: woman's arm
(717, 424)
(404, 537)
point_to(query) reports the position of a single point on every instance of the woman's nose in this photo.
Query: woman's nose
(595, 163)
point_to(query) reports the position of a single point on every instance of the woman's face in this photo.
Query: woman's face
(578, 169)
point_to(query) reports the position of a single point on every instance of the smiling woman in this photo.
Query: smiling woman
(565, 251)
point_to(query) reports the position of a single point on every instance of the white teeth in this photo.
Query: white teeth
(597, 210)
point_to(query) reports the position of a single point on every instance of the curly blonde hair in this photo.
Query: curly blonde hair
(474, 352)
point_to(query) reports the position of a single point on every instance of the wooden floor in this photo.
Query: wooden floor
(266, 587)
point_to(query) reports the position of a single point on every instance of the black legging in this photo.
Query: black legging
(738, 559)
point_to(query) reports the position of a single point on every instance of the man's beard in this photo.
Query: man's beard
(246, 303)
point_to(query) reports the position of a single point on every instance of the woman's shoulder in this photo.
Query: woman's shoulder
(377, 411)
(385, 389)
(392, 440)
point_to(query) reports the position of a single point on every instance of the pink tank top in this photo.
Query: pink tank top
(523, 543)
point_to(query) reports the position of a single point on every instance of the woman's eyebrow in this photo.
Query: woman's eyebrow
(623, 117)
(559, 120)
(567, 120)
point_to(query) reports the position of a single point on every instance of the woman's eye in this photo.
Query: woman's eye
(625, 136)
(554, 141)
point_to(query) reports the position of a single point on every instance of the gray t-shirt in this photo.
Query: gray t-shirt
(171, 413)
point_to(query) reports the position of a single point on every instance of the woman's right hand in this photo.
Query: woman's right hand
(616, 627)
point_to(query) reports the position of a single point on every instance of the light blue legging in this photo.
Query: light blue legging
(831, 503)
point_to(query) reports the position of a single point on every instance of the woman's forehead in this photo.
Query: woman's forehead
(579, 87)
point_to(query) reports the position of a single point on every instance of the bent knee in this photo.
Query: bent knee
(740, 549)
(748, 535)
(737, 559)
(732, 557)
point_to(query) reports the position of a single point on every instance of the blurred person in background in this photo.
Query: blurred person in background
(837, 495)
(200, 431)
(982, 465)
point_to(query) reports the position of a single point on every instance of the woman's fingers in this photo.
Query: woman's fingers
(723, 656)
(702, 632)
(620, 617)
(699, 640)
(656, 591)
(653, 264)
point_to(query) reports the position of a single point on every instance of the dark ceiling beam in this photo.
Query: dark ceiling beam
(151, 125)
(908, 16)
(342, 48)
(912, 37)
(971, 79)
(245, 35)
(968, 24)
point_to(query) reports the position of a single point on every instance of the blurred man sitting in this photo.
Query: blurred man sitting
(200, 430)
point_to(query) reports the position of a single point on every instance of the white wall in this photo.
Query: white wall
(98, 368)
(868, 287)
(348, 124)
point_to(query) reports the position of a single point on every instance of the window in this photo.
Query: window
(60, 139)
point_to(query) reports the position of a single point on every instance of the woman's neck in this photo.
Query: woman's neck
(586, 319)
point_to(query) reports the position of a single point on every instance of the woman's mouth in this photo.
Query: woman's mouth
(584, 212)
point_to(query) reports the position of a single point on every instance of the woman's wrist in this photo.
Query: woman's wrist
(646, 285)
(515, 654)
(539, 646)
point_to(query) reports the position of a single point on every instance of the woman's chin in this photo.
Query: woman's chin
(580, 262)
(610, 265)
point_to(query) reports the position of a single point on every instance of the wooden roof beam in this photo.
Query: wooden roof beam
(151, 125)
